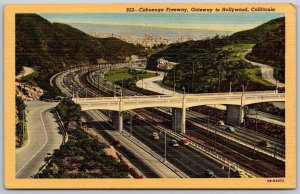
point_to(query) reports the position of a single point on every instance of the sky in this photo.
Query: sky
(232, 22)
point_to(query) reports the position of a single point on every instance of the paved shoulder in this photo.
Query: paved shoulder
(43, 138)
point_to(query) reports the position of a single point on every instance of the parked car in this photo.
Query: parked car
(184, 141)
(174, 143)
(209, 174)
(230, 129)
(155, 135)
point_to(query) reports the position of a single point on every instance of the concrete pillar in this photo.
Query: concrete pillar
(178, 120)
(235, 114)
(117, 120)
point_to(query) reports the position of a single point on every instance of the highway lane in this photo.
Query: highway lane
(43, 138)
(146, 163)
(190, 161)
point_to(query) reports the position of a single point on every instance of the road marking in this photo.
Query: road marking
(41, 147)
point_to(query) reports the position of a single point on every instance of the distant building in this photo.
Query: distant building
(165, 64)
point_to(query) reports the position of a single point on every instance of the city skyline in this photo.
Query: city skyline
(210, 22)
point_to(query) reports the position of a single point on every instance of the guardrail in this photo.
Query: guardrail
(238, 141)
(211, 154)
(253, 112)
(62, 128)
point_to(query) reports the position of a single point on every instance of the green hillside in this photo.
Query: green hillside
(271, 51)
(210, 65)
(52, 47)
(257, 34)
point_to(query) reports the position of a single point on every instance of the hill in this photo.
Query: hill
(210, 65)
(52, 47)
(257, 34)
(271, 51)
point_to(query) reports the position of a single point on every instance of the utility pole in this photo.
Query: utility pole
(165, 155)
(23, 124)
(219, 80)
(174, 80)
(193, 78)
(130, 124)
(228, 169)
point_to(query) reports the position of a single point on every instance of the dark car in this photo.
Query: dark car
(230, 129)
(209, 174)
(174, 143)
(117, 144)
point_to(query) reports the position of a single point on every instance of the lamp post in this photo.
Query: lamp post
(115, 88)
(174, 79)
(165, 154)
(243, 89)
(230, 87)
(193, 78)
(130, 124)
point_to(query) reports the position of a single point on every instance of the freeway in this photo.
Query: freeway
(242, 134)
(145, 162)
(245, 136)
(198, 161)
(100, 82)
(43, 138)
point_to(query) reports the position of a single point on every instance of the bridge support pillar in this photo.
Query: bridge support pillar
(178, 119)
(117, 120)
(235, 114)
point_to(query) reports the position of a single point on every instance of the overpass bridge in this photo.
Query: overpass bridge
(179, 103)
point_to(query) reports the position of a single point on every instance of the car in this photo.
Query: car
(209, 174)
(264, 143)
(155, 135)
(184, 141)
(127, 121)
(174, 143)
(221, 123)
(230, 129)
(117, 144)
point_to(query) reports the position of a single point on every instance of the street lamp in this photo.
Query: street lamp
(130, 124)
(230, 87)
(174, 79)
(193, 78)
(243, 87)
(165, 154)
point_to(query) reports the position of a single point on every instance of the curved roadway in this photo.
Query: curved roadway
(43, 138)
(267, 72)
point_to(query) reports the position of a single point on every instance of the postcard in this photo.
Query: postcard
(150, 96)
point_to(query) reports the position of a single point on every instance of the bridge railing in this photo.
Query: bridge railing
(234, 93)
